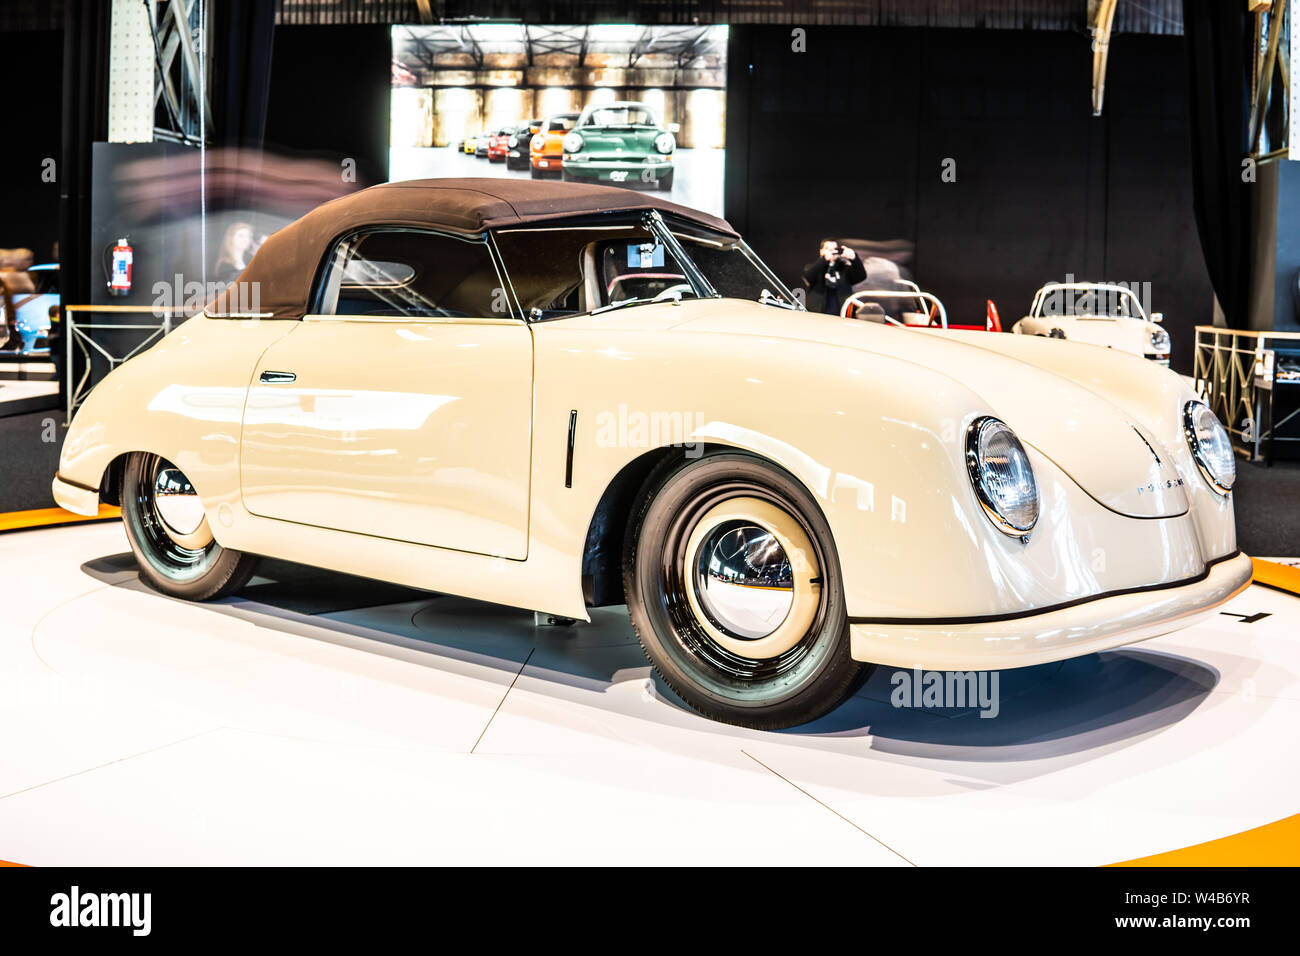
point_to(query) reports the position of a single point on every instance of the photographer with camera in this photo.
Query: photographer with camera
(830, 279)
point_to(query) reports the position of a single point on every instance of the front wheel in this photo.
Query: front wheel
(168, 531)
(734, 590)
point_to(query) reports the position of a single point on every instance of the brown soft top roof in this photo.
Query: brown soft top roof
(284, 267)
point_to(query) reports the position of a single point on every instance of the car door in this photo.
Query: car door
(402, 408)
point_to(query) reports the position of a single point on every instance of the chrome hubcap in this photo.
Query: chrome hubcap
(752, 578)
(743, 580)
(178, 506)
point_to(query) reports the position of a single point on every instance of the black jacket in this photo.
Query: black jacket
(830, 283)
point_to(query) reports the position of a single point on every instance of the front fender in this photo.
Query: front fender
(878, 441)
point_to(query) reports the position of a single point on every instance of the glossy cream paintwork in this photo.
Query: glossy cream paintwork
(870, 419)
(1054, 635)
(1129, 335)
(412, 430)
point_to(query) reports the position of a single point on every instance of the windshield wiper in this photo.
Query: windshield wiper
(620, 304)
(767, 298)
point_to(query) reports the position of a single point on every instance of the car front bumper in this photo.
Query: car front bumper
(625, 171)
(1052, 634)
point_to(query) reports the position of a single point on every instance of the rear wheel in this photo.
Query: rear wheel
(734, 590)
(168, 531)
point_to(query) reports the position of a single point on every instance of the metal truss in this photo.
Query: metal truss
(182, 108)
(1277, 50)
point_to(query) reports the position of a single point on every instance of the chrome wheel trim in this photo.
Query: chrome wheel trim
(180, 508)
(729, 625)
(179, 556)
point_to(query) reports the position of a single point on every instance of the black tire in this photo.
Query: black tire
(535, 172)
(665, 183)
(194, 573)
(805, 682)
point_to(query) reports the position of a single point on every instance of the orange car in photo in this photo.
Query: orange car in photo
(546, 150)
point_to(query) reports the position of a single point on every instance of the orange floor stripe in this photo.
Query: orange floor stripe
(1274, 844)
(1280, 576)
(15, 520)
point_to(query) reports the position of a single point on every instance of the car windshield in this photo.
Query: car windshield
(1115, 302)
(590, 269)
(561, 124)
(620, 116)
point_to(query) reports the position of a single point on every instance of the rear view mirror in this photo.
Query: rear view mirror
(1157, 316)
(674, 127)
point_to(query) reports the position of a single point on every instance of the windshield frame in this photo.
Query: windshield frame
(670, 233)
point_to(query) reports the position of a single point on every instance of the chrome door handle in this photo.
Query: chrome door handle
(278, 378)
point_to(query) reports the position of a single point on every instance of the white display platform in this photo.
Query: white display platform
(325, 720)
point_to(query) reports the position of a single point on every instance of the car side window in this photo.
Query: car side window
(404, 273)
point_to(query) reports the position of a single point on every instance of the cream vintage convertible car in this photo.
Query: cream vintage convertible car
(559, 396)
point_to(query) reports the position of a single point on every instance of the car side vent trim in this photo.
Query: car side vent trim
(568, 455)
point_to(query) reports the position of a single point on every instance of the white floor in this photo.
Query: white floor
(323, 720)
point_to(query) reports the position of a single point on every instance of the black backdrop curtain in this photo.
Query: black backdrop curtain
(243, 34)
(85, 120)
(1219, 64)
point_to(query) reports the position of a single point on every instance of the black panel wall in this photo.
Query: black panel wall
(33, 61)
(850, 139)
(330, 88)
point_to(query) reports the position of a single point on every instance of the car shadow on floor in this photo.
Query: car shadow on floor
(1090, 703)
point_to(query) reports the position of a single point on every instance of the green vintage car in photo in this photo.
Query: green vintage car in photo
(620, 144)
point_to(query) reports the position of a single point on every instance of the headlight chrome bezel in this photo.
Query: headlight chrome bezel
(573, 143)
(1160, 341)
(1199, 455)
(975, 436)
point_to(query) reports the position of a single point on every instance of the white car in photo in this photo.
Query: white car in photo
(1097, 313)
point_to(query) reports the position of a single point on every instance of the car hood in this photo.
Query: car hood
(1105, 450)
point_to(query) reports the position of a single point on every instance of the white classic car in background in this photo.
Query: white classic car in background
(1098, 314)
(453, 385)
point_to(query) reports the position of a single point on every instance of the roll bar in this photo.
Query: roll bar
(913, 293)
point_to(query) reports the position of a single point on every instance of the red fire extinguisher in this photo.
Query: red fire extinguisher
(119, 282)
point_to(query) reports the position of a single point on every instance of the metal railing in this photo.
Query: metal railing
(80, 333)
(1224, 368)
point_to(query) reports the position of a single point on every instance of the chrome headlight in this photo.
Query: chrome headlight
(665, 143)
(538, 143)
(1159, 340)
(513, 141)
(573, 143)
(1211, 447)
(1002, 476)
